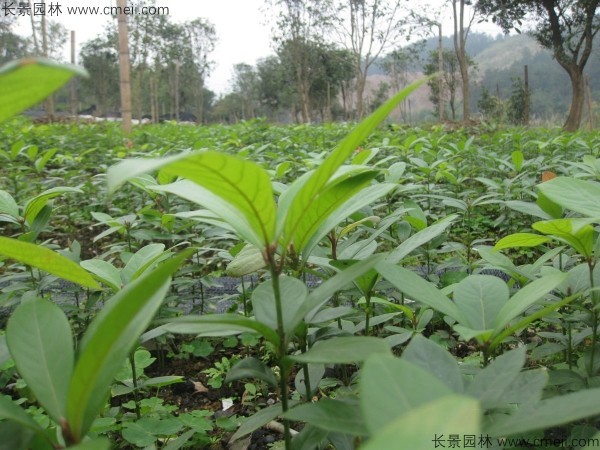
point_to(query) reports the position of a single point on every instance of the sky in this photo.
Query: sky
(241, 25)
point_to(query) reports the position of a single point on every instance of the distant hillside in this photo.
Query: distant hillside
(498, 60)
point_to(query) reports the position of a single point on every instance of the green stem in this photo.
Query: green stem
(138, 414)
(367, 313)
(594, 296)
(281, 351)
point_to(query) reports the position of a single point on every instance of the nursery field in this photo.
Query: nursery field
(317, 286)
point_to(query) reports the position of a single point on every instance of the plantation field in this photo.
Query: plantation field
(191, 287)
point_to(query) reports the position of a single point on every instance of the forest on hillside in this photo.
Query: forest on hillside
(309, 77)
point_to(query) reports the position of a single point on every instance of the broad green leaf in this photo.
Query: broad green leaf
(323, 293)
(251, 368)
(248, 260)
(140, 261)
(577, 233)
(418, 289)
(39, 338)
(343, 350)
(242, 184)
(16, 437)
(435, 360)
(549, 413)
(46, 260)
(490, 385)
(332, 415)
(479, 298)
(325, 204)
(8, 205)
(551, 208)
(577, 195)
(391, 387)
(309, 437)
(517, 159)
(293, 293)
(37, 203)
(306, 195)
(521, 240)
(11, 411)
(527, 296)
(40, 163)
(256, 421)
(420, 238)
(417, 430)
(25, 82)
(528, 208)
(217, 325)
(104, 271)
(111, 336)
(364, 197)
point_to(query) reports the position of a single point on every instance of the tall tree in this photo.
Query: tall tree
(450, 78)
(369, 28)
(566, 27)
(461, 32)
(124, 67)
(202, 39)
(300, 24)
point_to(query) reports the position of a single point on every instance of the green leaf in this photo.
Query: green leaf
(111, 336)
(323, 293)
(104, 271)
(365, 197)
(37, 203)
(293, 294)
(141, 261)
(343, 350)
(303, 200)
(527, 296)
(491, 384)
(332, 415)
(418, 289)
(241, 184)
(256, 421)
(25, 82)
(331, 198)
(10, 411)
(251, 368)
(577, 233)
(479, 298)
(391, 387)
(39, 338)
(577, 195)
(8, 205)
(435, 360)
(417, 430)
(521, 240)
(517, 159)
(420, 238)
(218, 325)
(47, 260)
(549, 413)
(248, 260)
(95, 444)
(552, 209)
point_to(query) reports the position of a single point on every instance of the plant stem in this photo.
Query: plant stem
(594, 296)
(281, 351)
(138, 414)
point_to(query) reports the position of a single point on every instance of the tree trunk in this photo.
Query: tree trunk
(573, 121)
(361, 82)
(124, 68)
(50, 99)
(461, 55)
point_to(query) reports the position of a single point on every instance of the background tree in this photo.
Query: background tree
(100, 58)
(300, 28)
(246, 86)
(398, 66)
(566, 27)
(12, 45)
(461, 33)
(450, 78)
(124, 67)
(370, 28)
(490, 106)
(202, 39)
(516, 103)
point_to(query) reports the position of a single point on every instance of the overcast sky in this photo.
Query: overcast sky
(244, 35)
